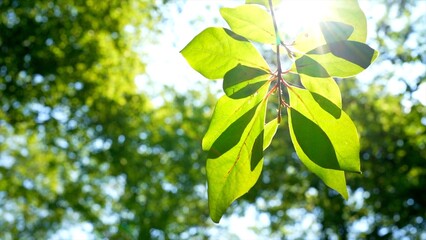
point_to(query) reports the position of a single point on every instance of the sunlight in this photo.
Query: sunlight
(294, 16)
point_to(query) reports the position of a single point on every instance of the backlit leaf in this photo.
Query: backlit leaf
(270, 130)
(235, 142)
(308, 66)
(335, 179)
(259, 28)
(343, 11)
(243, 81)
(325, 87)
(339, 128)
(215, 51)
(324, 136)
(355, 52)
(335, 31)
(340, 59)
(332, 47)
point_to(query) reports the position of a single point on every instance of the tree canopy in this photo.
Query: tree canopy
(79, 144)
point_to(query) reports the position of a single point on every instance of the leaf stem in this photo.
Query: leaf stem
(281, 102)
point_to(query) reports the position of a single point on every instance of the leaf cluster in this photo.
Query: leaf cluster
(323, 135)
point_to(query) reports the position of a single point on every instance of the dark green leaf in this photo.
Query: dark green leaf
(335, 179)
(339, 59)
(359, 53)
(308, 66)
(231, 136)
(313, 141)
(335, 31)
(335, 123)
(324, 137)
(243, 81)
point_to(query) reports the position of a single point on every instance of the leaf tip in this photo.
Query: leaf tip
(215, 219)
(215, 214)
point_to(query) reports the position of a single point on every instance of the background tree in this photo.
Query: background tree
(79, 145)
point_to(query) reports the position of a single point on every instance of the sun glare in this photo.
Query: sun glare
(294, 16)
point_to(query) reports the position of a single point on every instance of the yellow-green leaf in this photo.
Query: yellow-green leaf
(235, 142)
(335, 179)
(339, 59)
(324, 137)
(325, 87)
(308, 66)
(250, 21)
(343, 11)
(215, 51)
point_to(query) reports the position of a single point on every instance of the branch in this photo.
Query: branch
(281, 102)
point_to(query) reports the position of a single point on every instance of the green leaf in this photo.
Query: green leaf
(337, 59)
(332, 46)
(335, 179)
(350, 13)
(355, 52)
(241, 21)
(324, 137)
(270, 130)
(346, 12)
(243, 81)
(308, 66)
(340, 59)
(335, 31)
(215, 51)
(235, 142)
(325, 87)
(339, 128)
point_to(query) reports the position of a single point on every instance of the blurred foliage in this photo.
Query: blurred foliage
(79, 145)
